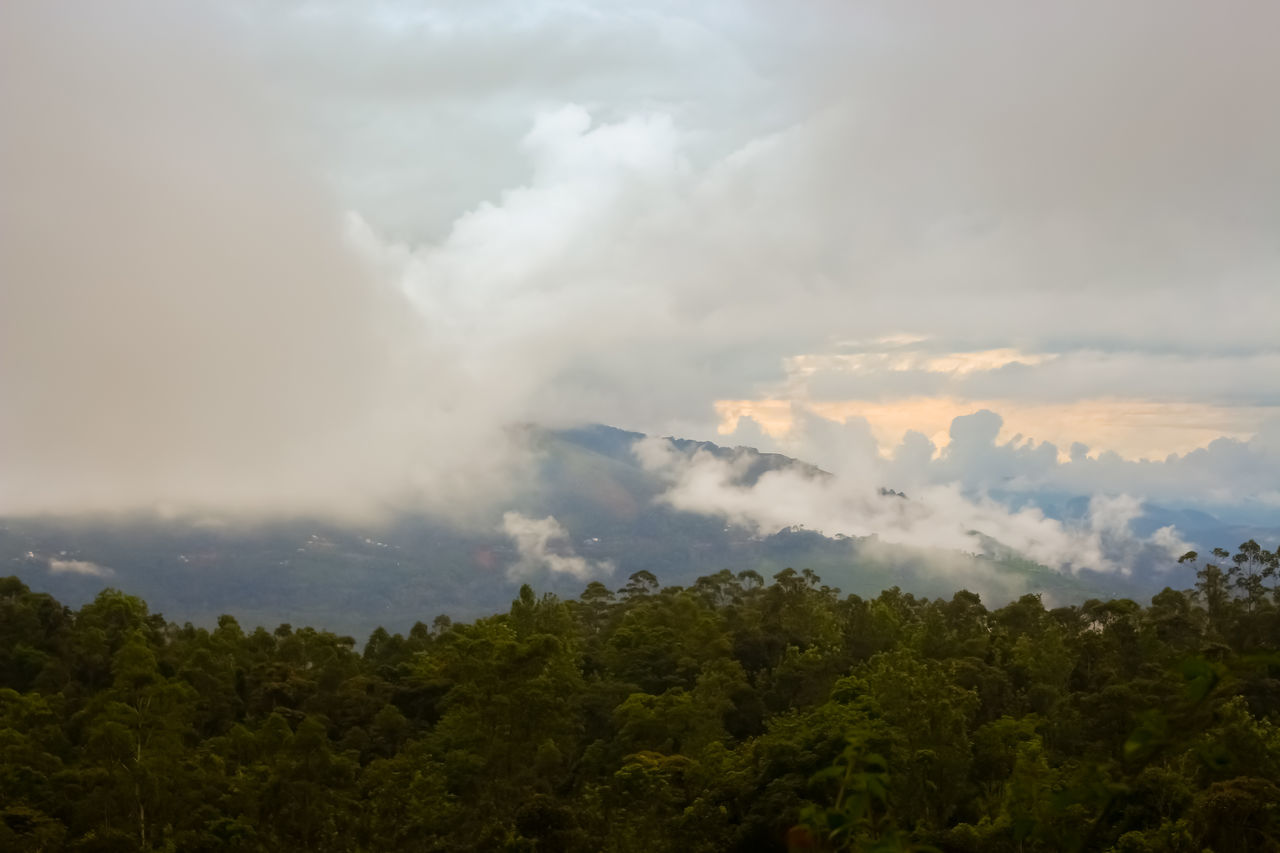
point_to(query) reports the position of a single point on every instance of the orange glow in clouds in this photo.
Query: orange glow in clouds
(1133, 428)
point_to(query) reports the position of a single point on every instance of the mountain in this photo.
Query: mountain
(351, 579)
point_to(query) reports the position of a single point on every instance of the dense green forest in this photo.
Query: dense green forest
(730, 715)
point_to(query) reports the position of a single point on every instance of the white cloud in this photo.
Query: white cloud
(939, 516)
(543, 545)
(898, 360)
(79, 567)
(1233, 477)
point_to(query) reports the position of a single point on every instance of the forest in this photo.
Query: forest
(733, 714)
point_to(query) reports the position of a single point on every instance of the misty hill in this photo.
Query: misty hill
(351, 579)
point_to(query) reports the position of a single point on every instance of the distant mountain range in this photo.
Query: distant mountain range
(351, 579)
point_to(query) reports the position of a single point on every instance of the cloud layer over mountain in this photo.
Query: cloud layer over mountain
(318, 257)
(932, 516)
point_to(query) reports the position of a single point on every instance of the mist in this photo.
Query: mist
(186, 325)
(940, 517)
(543, 544)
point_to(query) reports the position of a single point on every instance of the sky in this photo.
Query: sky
(320, 257)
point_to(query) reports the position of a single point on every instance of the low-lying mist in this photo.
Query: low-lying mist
(935, 516)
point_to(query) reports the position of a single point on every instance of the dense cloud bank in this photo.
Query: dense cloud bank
(183, 326)
(271, 259)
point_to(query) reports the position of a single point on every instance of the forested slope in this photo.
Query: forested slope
(731, 715)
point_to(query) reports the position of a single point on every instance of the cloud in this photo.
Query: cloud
(1222, 379)
(79, 567)
(909, 360)
(1026, 219)
(941, 516)
(316, 257)
(1134, 429)
(1233, 477)
(183, 325)
(543, 544)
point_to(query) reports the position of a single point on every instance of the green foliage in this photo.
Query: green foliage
(734, 715)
